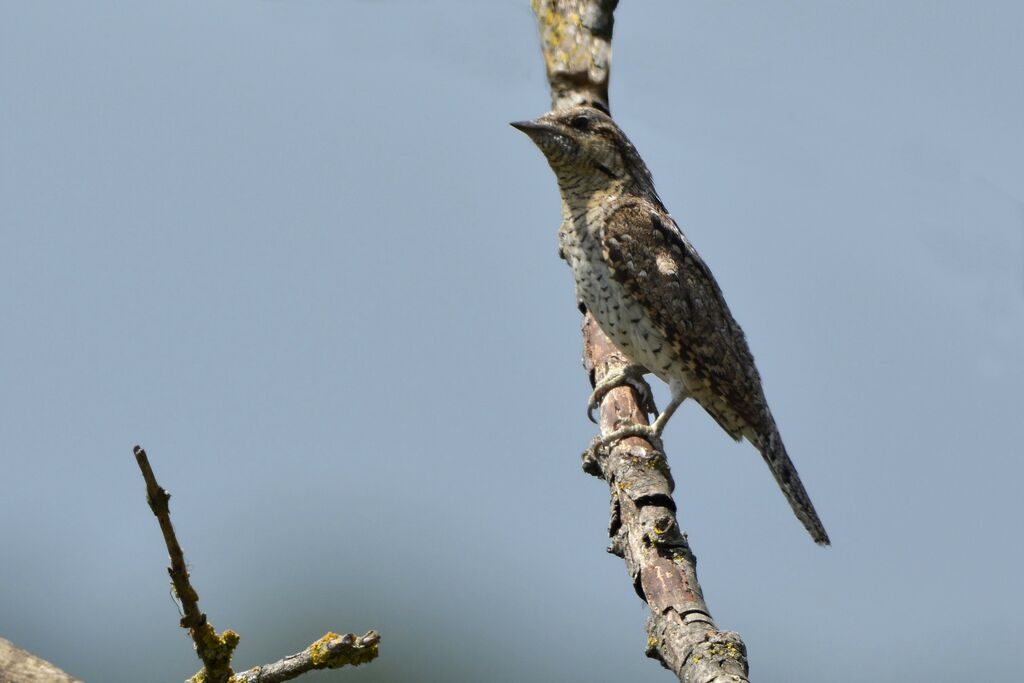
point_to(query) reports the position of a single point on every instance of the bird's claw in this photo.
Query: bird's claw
(648, 432)
(631, 375)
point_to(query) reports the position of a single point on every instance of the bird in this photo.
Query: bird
(652, 294)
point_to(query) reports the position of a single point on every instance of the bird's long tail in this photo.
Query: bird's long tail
(774, 453)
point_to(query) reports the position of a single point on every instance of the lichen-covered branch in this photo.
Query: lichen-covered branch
(330, 652)
(576, 40)
(215, 649)
(576, 44)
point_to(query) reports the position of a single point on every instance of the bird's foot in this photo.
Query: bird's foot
(649, 432)
(631, 375)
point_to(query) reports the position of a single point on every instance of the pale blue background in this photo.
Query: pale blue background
(294, 249)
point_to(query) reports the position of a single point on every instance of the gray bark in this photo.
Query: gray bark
(21, 666)
(576, 44)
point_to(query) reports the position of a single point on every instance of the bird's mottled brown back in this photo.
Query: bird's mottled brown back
(657, 265)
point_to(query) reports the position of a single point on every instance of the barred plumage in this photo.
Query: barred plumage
(651, 292)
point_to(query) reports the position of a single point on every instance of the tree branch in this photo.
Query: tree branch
(21, 666)
(576, 44)
(330, 652)
(645, 533)
(576, 40)
(215, 649)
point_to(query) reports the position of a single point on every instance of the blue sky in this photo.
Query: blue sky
(294, 250)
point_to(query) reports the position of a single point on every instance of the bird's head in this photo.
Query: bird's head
(587, 151)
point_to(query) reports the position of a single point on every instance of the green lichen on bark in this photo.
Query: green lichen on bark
(334, 651)
(575, 38)
(215, 650)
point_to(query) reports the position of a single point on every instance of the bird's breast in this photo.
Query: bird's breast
(621, 316)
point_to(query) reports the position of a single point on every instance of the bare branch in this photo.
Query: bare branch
(576, 44)
(22, 666)
(215, 649)
(330, 652)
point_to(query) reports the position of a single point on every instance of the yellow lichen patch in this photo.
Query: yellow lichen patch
(563, 38)
(728, 650)
(655, 462)
(215, 650)
(220, 644)
(651, 641)
(319, 652)
(323, 658)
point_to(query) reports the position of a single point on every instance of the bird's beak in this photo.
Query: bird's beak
(533, 128)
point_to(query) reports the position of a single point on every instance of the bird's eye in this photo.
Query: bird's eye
(581, 122)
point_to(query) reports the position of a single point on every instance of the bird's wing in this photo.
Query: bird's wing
(658, 266)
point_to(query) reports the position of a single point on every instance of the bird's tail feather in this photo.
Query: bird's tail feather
(774, 453)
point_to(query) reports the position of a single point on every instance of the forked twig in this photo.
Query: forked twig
(215, 649)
